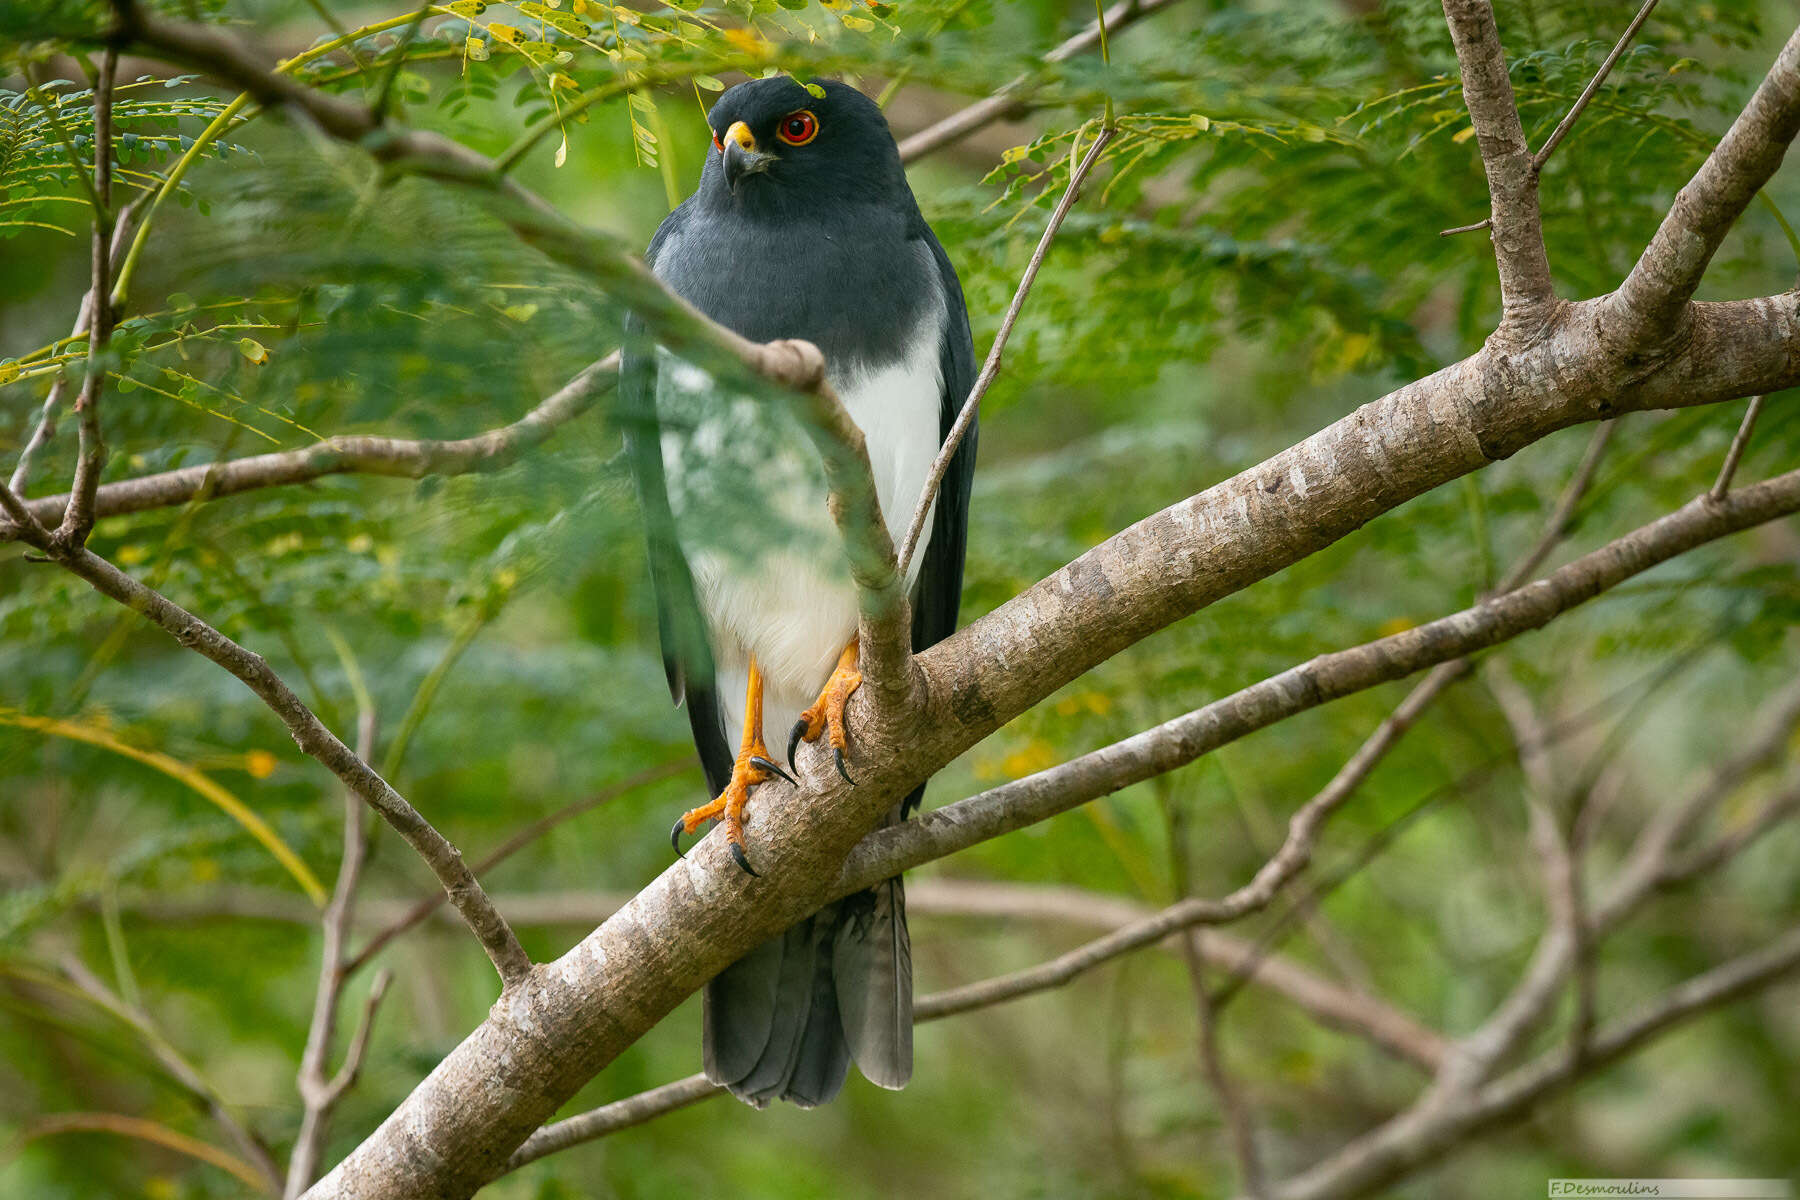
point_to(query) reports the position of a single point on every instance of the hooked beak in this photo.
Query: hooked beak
(741, 157)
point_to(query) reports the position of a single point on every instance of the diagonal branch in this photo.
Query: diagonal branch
(1527, 292)
(1174, 743)
(1429, 1132)
(315, 740)
(1649, 304)
(990, 369)
(1011, 97)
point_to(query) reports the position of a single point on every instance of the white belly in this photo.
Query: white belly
(750, 507)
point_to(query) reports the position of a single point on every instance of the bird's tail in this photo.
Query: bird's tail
(786, 1020)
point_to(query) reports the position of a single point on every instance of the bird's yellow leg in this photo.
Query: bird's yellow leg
(827, 712)
(751, 767)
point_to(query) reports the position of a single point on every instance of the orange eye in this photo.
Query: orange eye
(798, 128)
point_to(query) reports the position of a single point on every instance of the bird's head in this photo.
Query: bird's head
(774, 140)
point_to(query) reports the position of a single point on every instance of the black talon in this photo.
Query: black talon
(837, 756)
(757, 760)
(794, 736)
(737, 855)
(675, 837)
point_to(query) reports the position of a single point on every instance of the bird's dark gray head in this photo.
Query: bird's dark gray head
(779, 148)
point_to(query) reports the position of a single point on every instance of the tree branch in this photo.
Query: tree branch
(78, 518)
(355, 454)
(1427, 1133)
(1739, 442)
(318, 1095)
(1587, 93)
(46, 425)
(1174, 743)
(1527, 292)
(990, 369)
(1011, 97)
(1649, 305)
(318, 742)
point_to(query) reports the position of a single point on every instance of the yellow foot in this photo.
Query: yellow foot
(827, 712)
(751, 767)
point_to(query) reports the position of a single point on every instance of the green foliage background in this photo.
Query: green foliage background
(1259, 256)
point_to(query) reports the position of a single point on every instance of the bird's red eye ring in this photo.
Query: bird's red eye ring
(717, 144)
(798, 128)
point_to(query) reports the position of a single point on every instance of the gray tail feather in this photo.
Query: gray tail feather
(784, 1021)
(872, 960)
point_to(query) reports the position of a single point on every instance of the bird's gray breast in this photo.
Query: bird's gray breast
(744, 484)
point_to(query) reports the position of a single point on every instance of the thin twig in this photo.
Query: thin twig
(1556, 528)
(179, 1069)
(991, 368)
(1010, 97)
(314, 739)
(317, 1095)
(1739, 442)
(1562, 128)
(78, 518)
(46, 426)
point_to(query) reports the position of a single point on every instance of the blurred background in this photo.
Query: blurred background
(1258, 255)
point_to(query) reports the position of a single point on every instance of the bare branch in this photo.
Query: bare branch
(1650, 303)
(1432, 1129)
(610, 1118)
(1739, 442)
(46, 425)
(990, 370)
(1526, 288)
(316, 741)
(1587, 93)
(402, 457)
(317, 1095)
(180, 1070)
(1557, 527)
(1011, 97)
(78, 518)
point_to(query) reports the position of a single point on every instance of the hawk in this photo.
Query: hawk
(803, 226)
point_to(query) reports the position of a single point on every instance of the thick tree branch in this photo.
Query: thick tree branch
(1174, 743)
(1527, 292)
(405, 457)
(1648, 306)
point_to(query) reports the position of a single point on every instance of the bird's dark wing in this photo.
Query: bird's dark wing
(687, 656)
